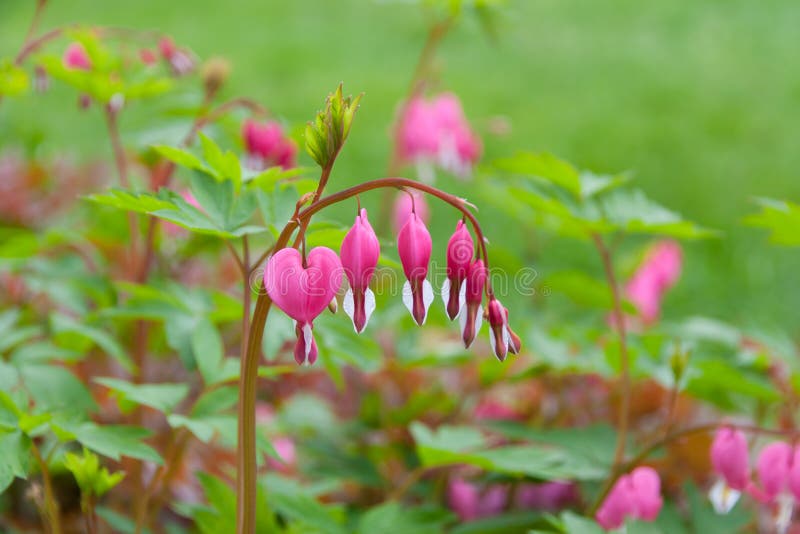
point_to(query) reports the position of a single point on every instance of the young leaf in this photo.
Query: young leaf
(162, 397)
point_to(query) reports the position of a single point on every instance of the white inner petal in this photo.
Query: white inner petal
(349, 305)
(784, 516)
(722, 497)
(427, 297)
(369, 306)
(446, 292)
(408, 299)
(308, 337)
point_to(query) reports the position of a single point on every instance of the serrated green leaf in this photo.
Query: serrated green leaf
(781, 218)
(208, 350)
(14, 457)
(113, 441)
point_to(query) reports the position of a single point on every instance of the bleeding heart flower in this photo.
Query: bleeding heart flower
(414, 247)
(180, 61)
(658, 272)
(729, 457)
(436, 132)
(267, 145)
(472, 320)
(76, 57)
(303, 291)
(459, 256)
(499, 337)
(636, 495)
(359, 253)
(407, 202)
(778, 469)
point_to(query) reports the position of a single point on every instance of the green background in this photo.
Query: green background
(700, 98)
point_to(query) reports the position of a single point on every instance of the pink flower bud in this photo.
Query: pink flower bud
(459, 256)
(414, 246)
(76, 58)
(514, 341)
(167, 48)
(303, 291)
(359, 253)
(474, 284)
(647, 486)
(658, 272)
(729, 457)
(267, 145)
(636, 495)
(498, 336)
(773, 466)
(180, 61)
(405, 204)
(147, 56)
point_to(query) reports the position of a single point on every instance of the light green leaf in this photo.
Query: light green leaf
(208, 350)
(163, 397)
(781, 218)
(113, 441)
(545, 167)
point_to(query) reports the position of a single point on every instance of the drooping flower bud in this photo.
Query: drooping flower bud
(658, 272)
(303, 292)
(405, 204)
(148, 56)
(636, 495)
(499, 337)
(514, 341)
(729, 457)
(76, 58)
(459, 255)
(359, 253)
(472, 318)
(267, 145)
(775, 473)
(180, 61)
(414, 247)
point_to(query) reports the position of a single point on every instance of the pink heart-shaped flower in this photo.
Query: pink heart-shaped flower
(303, 292)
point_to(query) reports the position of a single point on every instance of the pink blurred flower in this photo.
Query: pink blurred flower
(436, 132)
(285, 448)
(147, 56)
(658, 272)
(730, 459)
(492, 410)
(636, 495)
(404, 204)
(267, 145)
(173, 230)
(778, 469)
(180, 60)
(469, 503)
(76, 58)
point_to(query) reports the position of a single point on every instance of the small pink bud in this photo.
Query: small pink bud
(773, 467)
(147, 56)
(474, 284)
(267, 145)
(414, 247)
(498, 337)
(514, 341)
(648, 499)
(76, 58)
(459, 256)
(84, 101)
(729, 457)
(303, 291)
(359, 253)
(405, 204)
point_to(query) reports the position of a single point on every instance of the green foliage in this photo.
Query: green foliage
(13, 79)
(326, 134)
(93, 480)
(781, 218)
(581, 204)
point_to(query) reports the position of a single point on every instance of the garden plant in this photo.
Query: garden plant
(207, 325)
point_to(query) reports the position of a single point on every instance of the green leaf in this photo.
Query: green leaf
(92, 479)
(326, 134)
(66, 328)
(445, 445)
(13, 79)
(781, 218)
(307, 511)
(118, 522)
(208, 351)
(113, 441)
(391, 518)
(502, 524)
(584, 290)
(163, 397)
(14, 457)
(225, 165)
(55, 389)
(183, 158)
(545, 167)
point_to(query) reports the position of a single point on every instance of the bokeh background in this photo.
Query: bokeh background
(699, 98)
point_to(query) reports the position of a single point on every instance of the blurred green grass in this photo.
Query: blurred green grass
(701, 98)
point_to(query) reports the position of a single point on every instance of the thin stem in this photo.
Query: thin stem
(37, 17)
(53, 515)
(33, 45)
(678, 434)
(236, 256)
(624, 363)
(122, 172)
(260, 260)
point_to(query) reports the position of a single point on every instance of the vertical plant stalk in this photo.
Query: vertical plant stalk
(52, 512)
(89, 515)
(122, 172)
(624, 360)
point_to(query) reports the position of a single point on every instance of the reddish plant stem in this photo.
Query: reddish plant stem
(678, 434)
(52, 512)
(624, 360)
